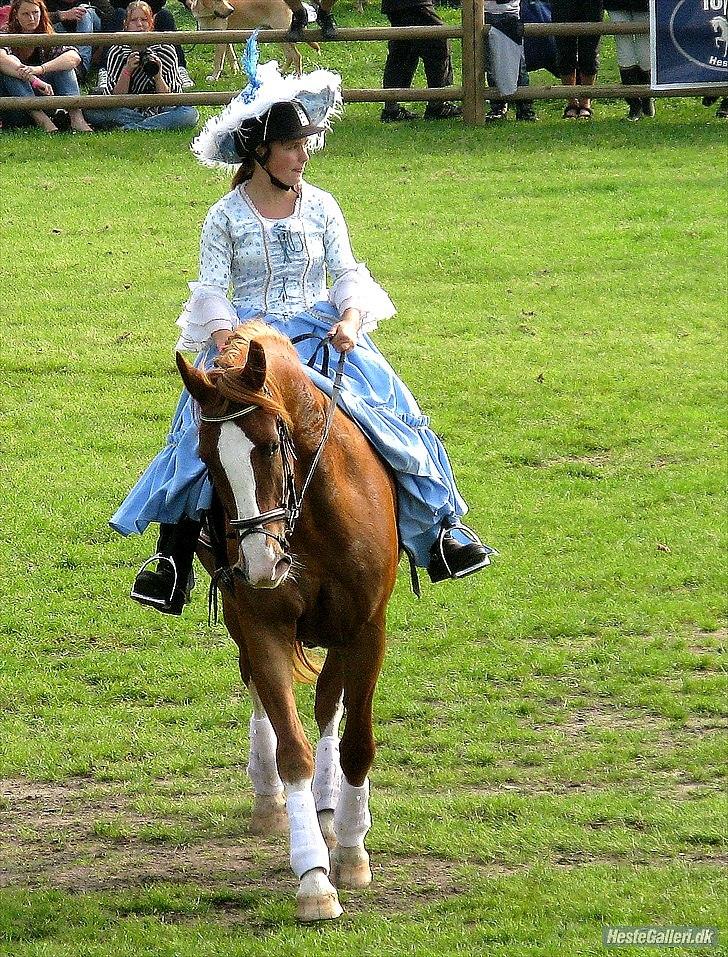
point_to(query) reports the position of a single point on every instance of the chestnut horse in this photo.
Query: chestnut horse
(320, 578)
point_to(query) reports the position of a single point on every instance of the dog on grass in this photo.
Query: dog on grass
(245, 15)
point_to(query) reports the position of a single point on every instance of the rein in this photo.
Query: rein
(290, 510)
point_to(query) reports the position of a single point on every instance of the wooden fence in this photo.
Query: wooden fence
(473, 93)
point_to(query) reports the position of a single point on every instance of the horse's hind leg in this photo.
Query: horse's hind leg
(329, 709)
(269, 809)
(361, 664)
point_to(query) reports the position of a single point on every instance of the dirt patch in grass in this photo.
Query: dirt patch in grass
(50, 837)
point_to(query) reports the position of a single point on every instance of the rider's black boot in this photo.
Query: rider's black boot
(168, 588)
(457, 552)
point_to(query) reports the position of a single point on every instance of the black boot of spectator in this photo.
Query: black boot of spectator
(299, 22)
(525, 111)
(722, 111)
(394, 113)
(326, 22)
(443, 111)
(632, 76)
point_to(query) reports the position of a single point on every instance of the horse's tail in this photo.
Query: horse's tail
(305, 669)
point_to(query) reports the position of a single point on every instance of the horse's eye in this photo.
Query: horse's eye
(270, 449)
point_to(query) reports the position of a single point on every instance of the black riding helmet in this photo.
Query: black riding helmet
(284, 121)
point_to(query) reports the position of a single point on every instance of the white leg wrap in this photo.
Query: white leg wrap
(352, 819)
(308, 848)
(327, 779)
(262, 766)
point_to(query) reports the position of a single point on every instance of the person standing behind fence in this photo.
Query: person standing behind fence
(578, 57)
(152, 69)
(403, 56)
(505, 15)
(41, 70)
(633, 53)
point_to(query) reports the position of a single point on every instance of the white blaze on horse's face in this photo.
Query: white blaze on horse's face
(261, 558)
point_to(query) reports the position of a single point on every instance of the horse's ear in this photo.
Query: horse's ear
(196, 382)
(252, 376)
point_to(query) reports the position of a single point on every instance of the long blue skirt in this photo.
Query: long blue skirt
(176, 483)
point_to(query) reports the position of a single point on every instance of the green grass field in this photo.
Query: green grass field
(552, 733)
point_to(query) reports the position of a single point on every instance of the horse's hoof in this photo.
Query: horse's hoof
(317, 898)
(350, 868)
(326, 823)
(269, 815)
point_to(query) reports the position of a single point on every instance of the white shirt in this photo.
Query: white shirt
(511, 6)
(276, 266)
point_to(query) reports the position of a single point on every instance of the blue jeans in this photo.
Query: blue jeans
(89, 23)
(64, 83)
(175, 118)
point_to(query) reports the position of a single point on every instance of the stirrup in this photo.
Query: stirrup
(145, 599)
(438, 552)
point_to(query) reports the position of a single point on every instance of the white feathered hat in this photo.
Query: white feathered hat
(243, 122)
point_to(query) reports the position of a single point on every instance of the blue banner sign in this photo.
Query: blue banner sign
(689, 43)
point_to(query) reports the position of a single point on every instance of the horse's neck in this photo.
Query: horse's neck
(305, 404)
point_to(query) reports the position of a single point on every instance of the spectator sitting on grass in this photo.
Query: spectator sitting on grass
(67, 16)
(40, 71)
(152, 69)
(164, 22)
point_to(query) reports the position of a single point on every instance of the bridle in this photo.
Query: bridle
(289, 510)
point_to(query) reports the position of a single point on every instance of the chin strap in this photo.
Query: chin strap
(274, 179)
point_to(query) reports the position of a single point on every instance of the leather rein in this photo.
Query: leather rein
(289, 510)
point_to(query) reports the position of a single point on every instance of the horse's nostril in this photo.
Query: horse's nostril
(240, 573)
(282, 567)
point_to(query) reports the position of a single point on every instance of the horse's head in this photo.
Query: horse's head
(243, 442)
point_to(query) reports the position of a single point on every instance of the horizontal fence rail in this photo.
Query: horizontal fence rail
(473, 92)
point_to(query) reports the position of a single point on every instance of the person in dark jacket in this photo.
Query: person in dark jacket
(633, 53)
(403, 56)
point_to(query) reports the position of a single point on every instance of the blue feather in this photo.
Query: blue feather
(250, 59)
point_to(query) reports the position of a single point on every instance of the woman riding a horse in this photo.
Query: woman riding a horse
(274, 238)
(317, 502)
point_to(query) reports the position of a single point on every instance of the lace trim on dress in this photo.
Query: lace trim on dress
(207, 310)
(357, 289)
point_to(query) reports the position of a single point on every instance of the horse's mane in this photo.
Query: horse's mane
(234, 356)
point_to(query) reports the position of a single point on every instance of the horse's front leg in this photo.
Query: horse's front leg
(271, 667)
(269, 807)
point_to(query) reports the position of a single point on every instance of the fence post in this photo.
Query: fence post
(473, 62)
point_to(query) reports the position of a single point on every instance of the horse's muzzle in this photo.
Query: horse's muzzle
(270, 577)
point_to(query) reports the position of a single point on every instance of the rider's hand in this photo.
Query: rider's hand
(343, 334)
(220, 337)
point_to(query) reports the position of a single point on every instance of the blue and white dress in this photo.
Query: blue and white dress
(277, 270)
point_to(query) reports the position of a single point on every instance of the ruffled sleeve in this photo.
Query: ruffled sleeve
(353, 286)
(208, 308)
